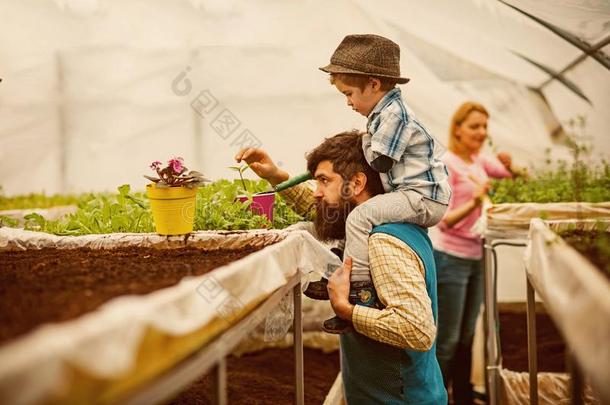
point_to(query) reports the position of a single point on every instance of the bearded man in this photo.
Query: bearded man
(390, 357)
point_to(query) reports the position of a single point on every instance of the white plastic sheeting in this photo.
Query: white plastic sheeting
(104, 343)
(553, 389)
(512, 220)
(576, 294)
(86, 100)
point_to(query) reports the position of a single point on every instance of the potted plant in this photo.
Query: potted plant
(260, 203)
(172, 196)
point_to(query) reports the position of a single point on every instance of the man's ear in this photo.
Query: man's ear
(359, 181)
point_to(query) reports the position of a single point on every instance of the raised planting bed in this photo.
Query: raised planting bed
(508, 224)
(560, 191)
(512, 220)
(594, 245)
(267, 377)
(575, 291)
(54, 285)
(126, 308)
(513, 338)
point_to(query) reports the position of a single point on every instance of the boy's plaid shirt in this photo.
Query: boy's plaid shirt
(399, 278)
(393, 131)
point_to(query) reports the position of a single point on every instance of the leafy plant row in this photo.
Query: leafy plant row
(575, 182)
(38, 200)
(127, 211)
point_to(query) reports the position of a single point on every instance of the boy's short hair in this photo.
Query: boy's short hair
(360, 81)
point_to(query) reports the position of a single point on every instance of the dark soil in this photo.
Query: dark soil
(513, 339)
(593, 245)
(55, 285)
(267, 377)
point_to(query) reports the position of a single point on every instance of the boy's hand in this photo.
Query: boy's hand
(260, 162)
(338, 290)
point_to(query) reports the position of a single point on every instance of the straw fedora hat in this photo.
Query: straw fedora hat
(367, 54)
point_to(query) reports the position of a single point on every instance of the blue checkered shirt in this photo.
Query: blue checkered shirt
(393, 131)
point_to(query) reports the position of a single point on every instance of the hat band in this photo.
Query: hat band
(366, 68)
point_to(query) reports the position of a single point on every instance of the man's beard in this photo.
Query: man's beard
(330, 219)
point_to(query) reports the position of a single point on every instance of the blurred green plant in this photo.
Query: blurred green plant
(104, 213)
(576, 182)
(11, 222)
(594, 245)
(560, 181)
(127, 211)
(41, 200)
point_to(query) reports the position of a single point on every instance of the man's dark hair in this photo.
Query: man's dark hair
(344, 151)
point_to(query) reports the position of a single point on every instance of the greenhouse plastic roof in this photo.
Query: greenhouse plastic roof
(95, 90)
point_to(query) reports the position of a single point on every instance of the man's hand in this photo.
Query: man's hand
(260, 162)
(338, 290)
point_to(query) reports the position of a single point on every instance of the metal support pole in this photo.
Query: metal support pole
(62, 124)
(532, 343)
(492, 345)
(576, 380)
(220, 382)
(299, 397)
(211, 357)
(491, 368)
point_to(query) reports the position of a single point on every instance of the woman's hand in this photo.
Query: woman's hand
(481, 189)
(506, 160)
(338, 290)
(260, 162)
(481, 192)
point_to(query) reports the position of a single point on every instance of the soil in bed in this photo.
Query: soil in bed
(267, 377)
(55, 285)
(593, 245)
(513, 339)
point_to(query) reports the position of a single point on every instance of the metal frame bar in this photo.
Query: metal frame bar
(62, 123)
(220, 382)
(585, 47)
(532, 342)
(554, 75)
(299, 394)
(168, 384)
(492, 346)
(576, 377)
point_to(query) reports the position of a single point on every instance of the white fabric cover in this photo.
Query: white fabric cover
(104, 342)
(576, 294)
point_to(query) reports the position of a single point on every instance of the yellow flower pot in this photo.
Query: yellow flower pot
(173, 209)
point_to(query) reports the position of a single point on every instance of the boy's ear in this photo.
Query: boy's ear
(375, 83)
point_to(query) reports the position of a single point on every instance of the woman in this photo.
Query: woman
(458, 251)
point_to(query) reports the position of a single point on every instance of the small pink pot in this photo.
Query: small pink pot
(262, 204)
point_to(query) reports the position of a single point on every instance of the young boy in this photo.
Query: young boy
(366, 69)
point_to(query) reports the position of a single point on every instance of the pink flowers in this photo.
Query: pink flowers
(177, 164)
(175, 174)
(155, 165)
